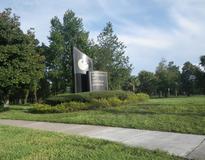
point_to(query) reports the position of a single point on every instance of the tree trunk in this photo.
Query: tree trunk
(176, 92)
(6, 103)
(26, 96)
(168, 92)
(35, 95)
(20, 101)
(133, 88)
(6, 99)
(160, 93)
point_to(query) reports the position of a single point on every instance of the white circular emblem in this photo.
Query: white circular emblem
(83, 64)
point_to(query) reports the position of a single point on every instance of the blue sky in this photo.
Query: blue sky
(151, 29)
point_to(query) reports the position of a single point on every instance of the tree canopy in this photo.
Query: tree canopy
(63, 36)
(20, 65)
(110, 57)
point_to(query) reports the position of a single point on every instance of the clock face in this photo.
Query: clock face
(83, 64)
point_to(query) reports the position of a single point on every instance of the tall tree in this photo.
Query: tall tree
(174, 76)
(189, 78)
(168, 78)
(202, 74)
(162, 78)
(202, 61)
(111, 57)
(18, 59)
(37, 67)
(132, 84)
(63, 36)
(147, 82)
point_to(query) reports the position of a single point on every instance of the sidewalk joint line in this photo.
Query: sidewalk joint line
(195, 148)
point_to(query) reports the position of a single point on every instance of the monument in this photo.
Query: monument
(85, 78)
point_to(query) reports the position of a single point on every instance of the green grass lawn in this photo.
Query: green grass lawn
(184, 115)
(27, 144)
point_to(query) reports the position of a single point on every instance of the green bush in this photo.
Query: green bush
(60, 108)
(99, 103)
(131, 98)
(142, 97)
(109, 94)
(44, 108)
(139, 97)
(88, 100)
(74, 106)
(64, 98)
(2, 108)
(114, 101)
(86, 96)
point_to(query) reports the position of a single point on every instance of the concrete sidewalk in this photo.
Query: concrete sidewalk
(184, 145)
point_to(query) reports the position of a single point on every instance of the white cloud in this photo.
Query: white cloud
(150, 42)
(187, 25)
(182, 41)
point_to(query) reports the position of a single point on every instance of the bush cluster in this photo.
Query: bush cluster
(74, 106)
(136, 98)
(87, 96)
(2, 108)
(45, 108)
(142, 97)
(84, 101)
(60, 108)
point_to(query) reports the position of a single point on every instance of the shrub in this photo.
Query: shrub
(86, 96)
(109, 94)
(114, 101)
(60, 108)
(142, 97)
(74, 106)
(99, 103)
(131, 98)
(2, 108)
(64, 98)
(139, 97)
(44, 108)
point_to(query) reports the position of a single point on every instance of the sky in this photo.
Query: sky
(152, 30)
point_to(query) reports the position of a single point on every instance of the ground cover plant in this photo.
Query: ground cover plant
(184, 115)
(27, 144)
(89, 100)
(87, 96)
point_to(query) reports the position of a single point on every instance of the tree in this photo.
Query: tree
(168, 78)
(174, 76)
(110, 57)
(147, 82)
(162, 78)
(201, 74)
(37, 67)
(18, 60)
(44, 85)
(64, 36)
(189, 78)
(131, 84)
(202, 61)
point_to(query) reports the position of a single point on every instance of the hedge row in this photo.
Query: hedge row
(87, 96)
(94, 103)
(2, 108)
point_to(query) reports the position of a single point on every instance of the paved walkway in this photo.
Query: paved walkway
(184, 145)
